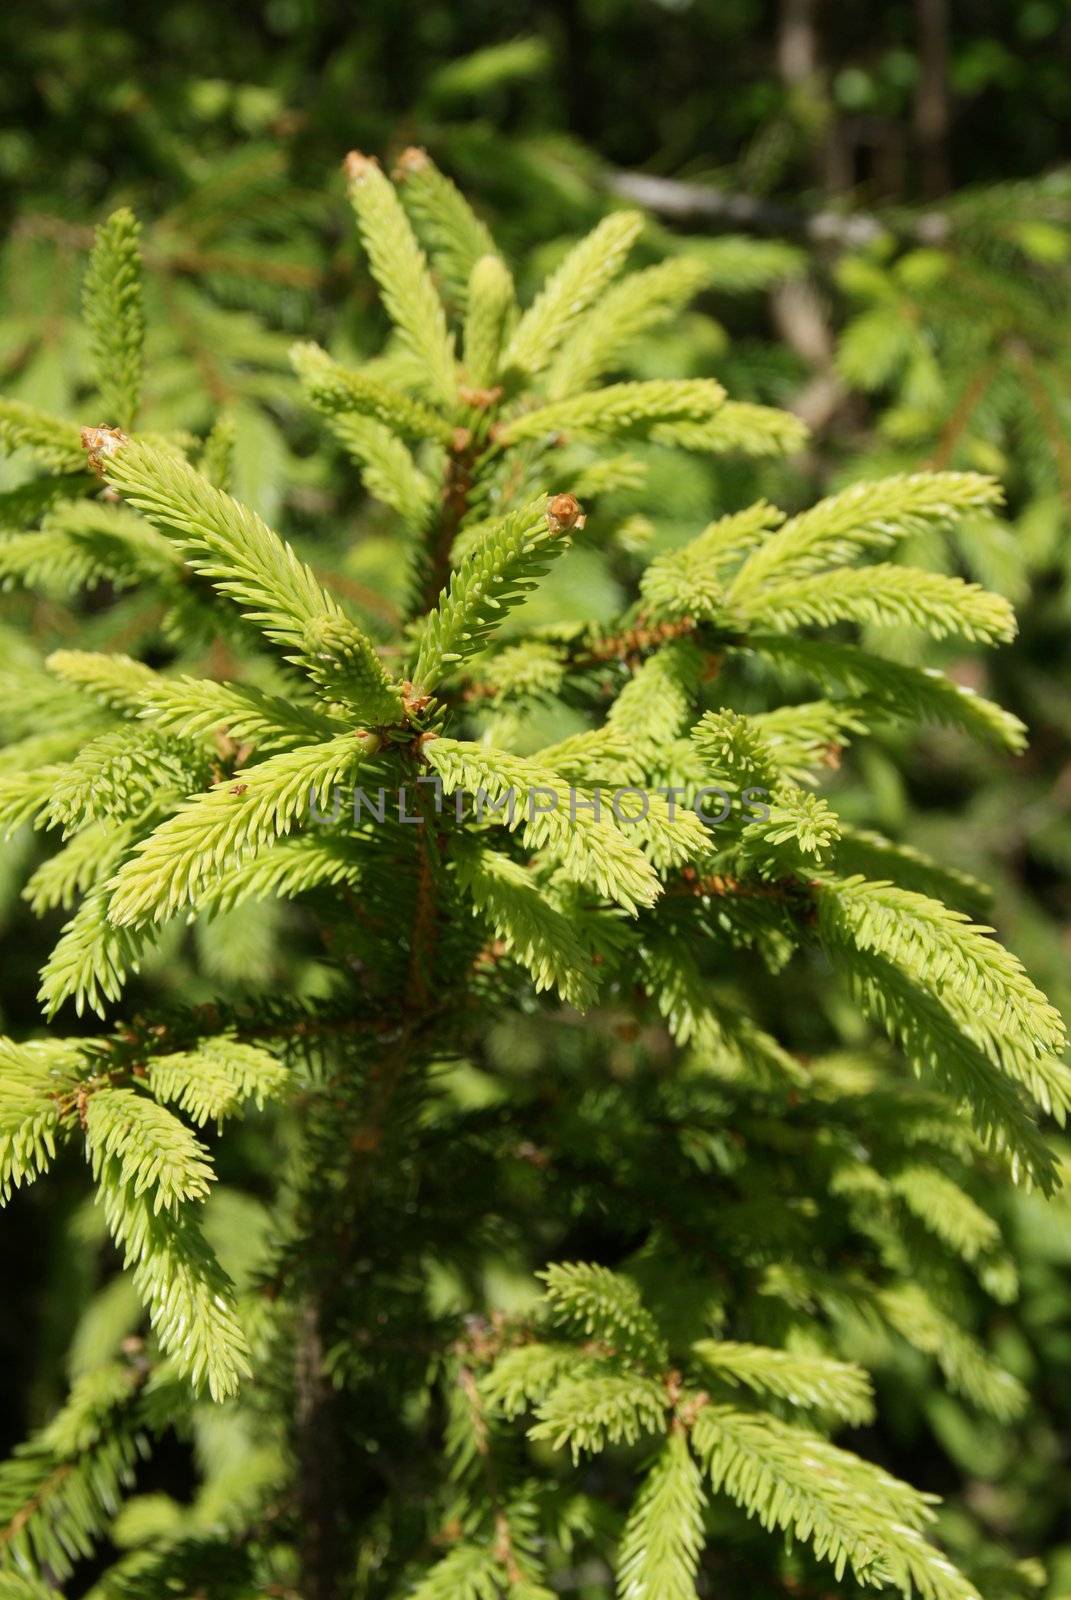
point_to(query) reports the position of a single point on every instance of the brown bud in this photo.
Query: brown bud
(480, 399)
(564, 512)
(460, 440)
(357, 166)
(414, 700)
(239, 788)
(691, 1408)
(101, 443)
(414, 159)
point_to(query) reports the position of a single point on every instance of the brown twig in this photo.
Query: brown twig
(961, 414)
(457, 487)
(681, 201)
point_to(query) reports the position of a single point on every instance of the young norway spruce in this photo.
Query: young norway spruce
(579, 1204)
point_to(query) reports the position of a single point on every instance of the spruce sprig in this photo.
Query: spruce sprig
(112, 301)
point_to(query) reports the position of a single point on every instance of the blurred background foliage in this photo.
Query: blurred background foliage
(878, 197)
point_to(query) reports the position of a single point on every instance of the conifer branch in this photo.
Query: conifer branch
(454, 234)
(114, 316)
(576, 285)
(401, 271)
(56, 444)
(342, 394)
(496, 575)
(233, 820)
(590, 848)
(488, 317)
(619, 410)
(866, 517)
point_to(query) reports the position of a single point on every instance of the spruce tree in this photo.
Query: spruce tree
(644, 1104)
